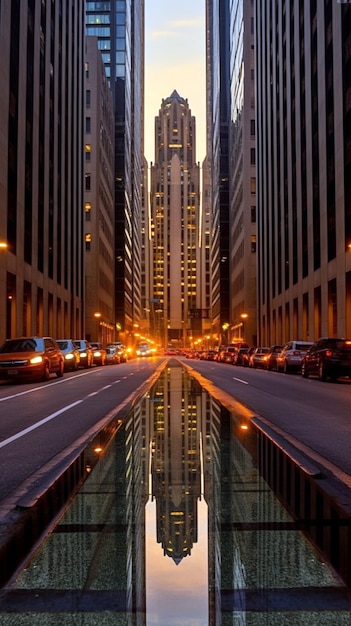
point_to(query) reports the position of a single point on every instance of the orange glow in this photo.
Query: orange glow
(98, 449)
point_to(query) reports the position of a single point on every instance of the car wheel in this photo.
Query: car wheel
(304, 370)
(286, 368)
(60, 371)
(321, 372)
(46, 371)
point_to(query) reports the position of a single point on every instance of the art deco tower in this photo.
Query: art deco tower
(176, 218)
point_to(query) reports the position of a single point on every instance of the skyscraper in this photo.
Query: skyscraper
(177, 226)
(119, 27)
(303, 169)
(218, 116)
(41, 172)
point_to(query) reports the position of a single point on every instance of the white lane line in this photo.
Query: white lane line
(34, 426)
(55, 382)
(24, 432)
(240, 380)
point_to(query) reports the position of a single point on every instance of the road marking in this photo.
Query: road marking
(54, 382)
(34, 426)
(24, 432)
(240, 380)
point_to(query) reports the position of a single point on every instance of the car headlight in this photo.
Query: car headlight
(36, 359)
(69, 356)
(83, 354)
(98, 353)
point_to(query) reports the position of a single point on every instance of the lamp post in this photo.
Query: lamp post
(243, 317)
(97, 316)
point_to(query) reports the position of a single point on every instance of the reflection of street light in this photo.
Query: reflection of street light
(3, 245)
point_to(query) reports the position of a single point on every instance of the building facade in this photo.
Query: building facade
(41, 168)
(303, 63)
(218, 116)
(242, 179)
(177, 298)
(98, 199)
(119, 27)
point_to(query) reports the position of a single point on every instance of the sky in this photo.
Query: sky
(175, 59)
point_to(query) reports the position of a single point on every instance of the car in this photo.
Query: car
(70, 353)
(290, 358)
(329, 357)
(31, 358)
(258, 357)
(226, 356)
(85, 352)
(271, 358)
(112, 356)
(211, 355)
(238, 356)
(99, 353)
(247, 356)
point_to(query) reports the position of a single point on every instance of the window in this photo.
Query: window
(87, 241)
(253, 185)
(87, 98)
(252, 128)
(87, 182)
(87, 151)
(88, 125)
(252, 156)
(253, 244)
(253, 215)
(87, 211)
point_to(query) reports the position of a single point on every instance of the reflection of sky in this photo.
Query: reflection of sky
(176, 595)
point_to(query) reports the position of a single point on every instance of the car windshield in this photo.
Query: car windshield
(62, 344)
(303, 346)
(19, 345)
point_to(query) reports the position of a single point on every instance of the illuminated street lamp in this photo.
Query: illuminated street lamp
(97, 316)
(244, 317)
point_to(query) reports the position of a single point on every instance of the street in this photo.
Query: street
(40, 420)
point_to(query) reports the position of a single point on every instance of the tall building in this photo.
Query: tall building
(217, 165)
(303, 57)
(98, 199)
(178, 296)
(119, 27)
(41, 168)
(242, 142)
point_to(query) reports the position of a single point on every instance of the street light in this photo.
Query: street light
(244, 317)
(97, 316)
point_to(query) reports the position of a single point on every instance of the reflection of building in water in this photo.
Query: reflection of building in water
(176, 470)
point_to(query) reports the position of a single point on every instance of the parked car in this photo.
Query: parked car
(329, 357)
(258, 357)
(112, 356)
(85, 352)
(247, 356)
(271, 358)
(99, 353)
(70, 353)
(211, 355)
(239, 355)
(121, 349)
(290, 358)
(30, 357)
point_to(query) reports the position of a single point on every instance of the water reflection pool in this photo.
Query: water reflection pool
(175, 527)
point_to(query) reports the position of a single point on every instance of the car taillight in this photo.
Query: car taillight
(296, 352)
(328, 353)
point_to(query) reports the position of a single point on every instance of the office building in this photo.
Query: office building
(303, 124)
(119, 28)
(178, 297)
(218, 116)
(41, 168)
(242, 179)
(98, 199)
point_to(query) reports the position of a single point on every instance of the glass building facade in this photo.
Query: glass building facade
(119, 27)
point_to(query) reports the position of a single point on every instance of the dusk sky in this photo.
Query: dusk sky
(175, 59)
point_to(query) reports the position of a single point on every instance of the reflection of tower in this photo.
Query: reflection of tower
(176, 468)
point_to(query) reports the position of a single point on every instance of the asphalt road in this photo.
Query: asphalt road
(316, 414)
(38, 421)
